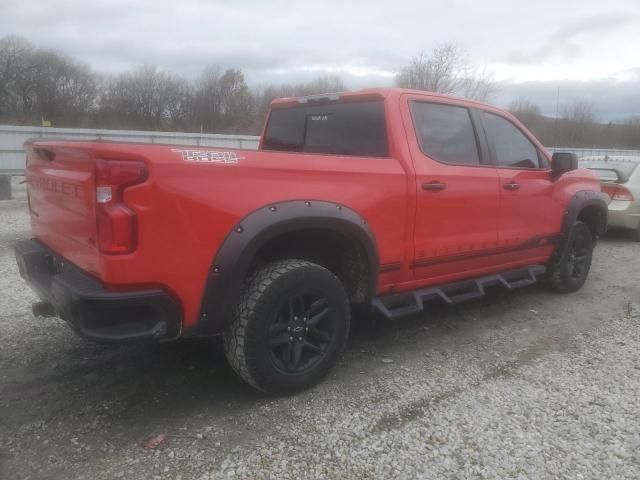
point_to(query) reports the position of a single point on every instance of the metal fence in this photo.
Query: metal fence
(12, 140)
(612, 153)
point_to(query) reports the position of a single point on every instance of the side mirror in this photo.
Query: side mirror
(562, 162)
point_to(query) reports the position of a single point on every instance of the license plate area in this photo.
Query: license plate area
(54, 264)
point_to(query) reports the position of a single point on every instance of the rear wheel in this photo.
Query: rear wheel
(290, 325)
(571, 271)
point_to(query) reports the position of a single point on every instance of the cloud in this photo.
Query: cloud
(112, 36)
(365, 41)
(563, 41)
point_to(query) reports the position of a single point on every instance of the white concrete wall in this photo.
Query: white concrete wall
(12, 138)
(596, 152)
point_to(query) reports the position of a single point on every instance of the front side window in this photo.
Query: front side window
(512, 147)
(445, 133)
(350, 128)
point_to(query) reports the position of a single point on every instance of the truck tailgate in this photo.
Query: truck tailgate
(61, 192)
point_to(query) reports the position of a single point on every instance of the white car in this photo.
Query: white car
(620, 179)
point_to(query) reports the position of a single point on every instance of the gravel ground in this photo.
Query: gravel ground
(524, 384)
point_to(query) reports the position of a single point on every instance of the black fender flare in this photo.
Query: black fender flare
(237, 252)
(580, 201)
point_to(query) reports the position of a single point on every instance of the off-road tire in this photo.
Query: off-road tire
(247, 342)
(561, 275)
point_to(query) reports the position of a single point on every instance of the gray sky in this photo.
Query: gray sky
(588, 48)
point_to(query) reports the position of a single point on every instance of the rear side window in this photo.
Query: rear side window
(354, 128)
(445, 133)
(512, 147)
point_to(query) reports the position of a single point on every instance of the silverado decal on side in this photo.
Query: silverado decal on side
(207, 156)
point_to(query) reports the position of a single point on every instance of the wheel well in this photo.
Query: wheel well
(592, 216)
(338, 253)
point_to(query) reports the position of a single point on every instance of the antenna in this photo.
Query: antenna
(555, 122)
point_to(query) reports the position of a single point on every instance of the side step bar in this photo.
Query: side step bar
(399, 305)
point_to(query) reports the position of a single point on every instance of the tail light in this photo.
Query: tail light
(117, 223)
(623, 194)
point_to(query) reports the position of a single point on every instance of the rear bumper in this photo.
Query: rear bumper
(624, 215)
(95, 313)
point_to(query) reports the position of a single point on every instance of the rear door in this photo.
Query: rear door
(530, 213)
(348, 159)
(458, 198)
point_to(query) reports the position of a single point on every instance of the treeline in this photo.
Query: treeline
(577, 126)
(37, 85)
(41, 85)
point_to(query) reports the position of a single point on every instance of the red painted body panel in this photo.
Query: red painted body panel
(186, 209)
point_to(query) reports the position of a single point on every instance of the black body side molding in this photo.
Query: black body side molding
(234, 258)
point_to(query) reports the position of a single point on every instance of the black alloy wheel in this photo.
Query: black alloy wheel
(579, 254)
(301, 332)
(291, 323)
(569, 273)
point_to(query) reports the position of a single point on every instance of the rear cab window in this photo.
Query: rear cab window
(349, 128)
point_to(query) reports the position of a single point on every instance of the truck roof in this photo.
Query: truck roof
(369, 93)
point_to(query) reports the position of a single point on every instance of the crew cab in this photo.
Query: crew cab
(379, 198)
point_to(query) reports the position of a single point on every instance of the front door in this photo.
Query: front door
(530, 214)
(458, 197)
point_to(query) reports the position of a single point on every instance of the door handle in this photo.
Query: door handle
(511, 186)
(434, 186)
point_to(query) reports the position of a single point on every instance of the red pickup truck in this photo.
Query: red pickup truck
(382, 198)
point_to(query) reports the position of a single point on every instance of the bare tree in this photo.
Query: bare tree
(630, 136)
(321, 84)
(234, 99)
(65, 91)
(437, 72)
(580, 111)
(177, 98)
(523, 106)
(446, 70)
(529, 113)
(222, 102)
(206, 107)
(525, 110)
(577, 126)
(38, 84)
(147, 98)
(16, 78)
(478, 85)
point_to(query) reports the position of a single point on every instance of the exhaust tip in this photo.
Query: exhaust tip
(43, 309)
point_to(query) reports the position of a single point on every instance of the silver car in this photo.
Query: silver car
(620, 179)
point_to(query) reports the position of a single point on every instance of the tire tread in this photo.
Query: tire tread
(256, 285)
(555, 274)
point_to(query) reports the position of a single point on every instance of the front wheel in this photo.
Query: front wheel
(290, 325)
(570, 272)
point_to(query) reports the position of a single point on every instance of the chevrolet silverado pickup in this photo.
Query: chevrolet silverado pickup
(380, 198)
